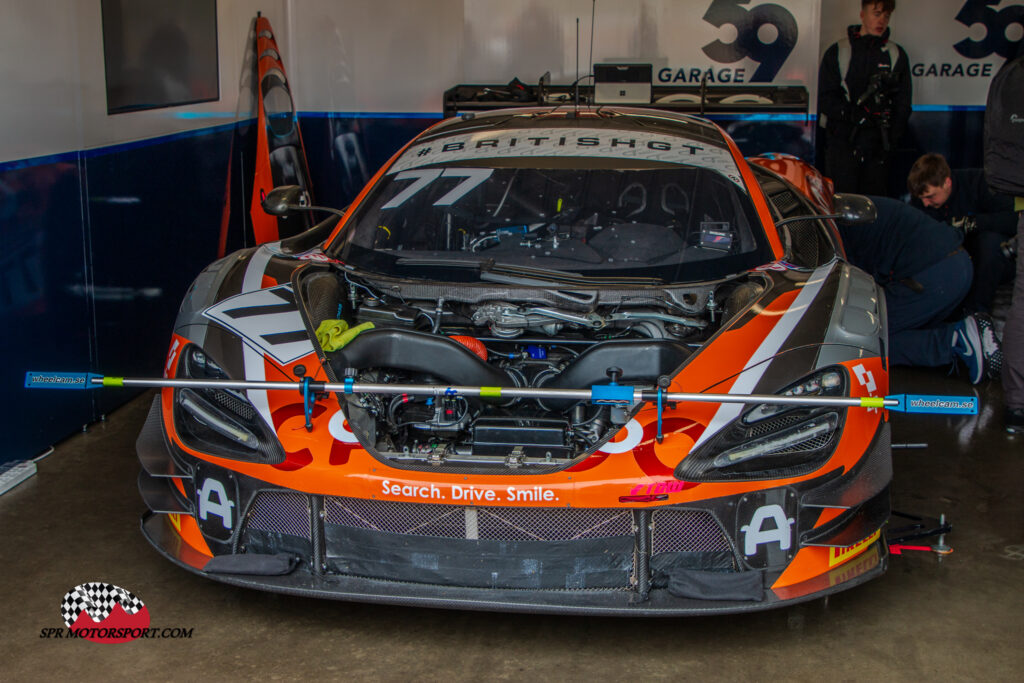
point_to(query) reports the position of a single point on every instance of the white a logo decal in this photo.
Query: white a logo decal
(222, 508)
(754, 534)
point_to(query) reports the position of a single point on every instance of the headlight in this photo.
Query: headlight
(827, 383)
(221, 422)
(773, 441)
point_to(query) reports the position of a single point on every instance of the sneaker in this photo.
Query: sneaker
(991, 348)
(967, 347)
(1013, 420)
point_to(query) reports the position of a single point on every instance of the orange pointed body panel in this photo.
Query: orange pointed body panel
(280, 154)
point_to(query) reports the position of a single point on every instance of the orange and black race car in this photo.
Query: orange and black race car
(502, 343)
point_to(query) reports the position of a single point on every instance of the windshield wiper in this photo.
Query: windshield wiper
(493, 271)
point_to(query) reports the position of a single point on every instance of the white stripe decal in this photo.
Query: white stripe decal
(253, 279)
(267, 320)
(748, 379)
(253, 360)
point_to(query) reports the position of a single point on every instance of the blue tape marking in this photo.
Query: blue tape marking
(61, 380)
(611, 394)
(204, 115)
(943, 405)
(948, 107)
(802, 118)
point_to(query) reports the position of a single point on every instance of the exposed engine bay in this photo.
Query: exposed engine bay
(506, 336)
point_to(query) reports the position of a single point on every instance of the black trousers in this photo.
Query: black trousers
(991, 269)
(856, 167)
(1013, 337)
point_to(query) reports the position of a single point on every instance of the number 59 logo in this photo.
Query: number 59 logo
(996, 22)
(748, 44)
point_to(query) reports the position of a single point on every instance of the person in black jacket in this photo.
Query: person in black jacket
(864, 100)
(963, 199)
(925, 273)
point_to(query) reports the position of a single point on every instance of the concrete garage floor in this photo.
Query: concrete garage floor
(958, 619)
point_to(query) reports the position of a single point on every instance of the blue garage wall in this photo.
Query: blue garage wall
(952, 131)
(99, 248)
(45, 313)
(153, 222)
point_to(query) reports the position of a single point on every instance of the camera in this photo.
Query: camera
(879, 98)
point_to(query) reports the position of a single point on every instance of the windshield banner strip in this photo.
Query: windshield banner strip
(565, 142)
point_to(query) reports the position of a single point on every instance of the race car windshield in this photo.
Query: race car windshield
(596, 219)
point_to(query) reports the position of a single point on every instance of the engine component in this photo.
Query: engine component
(533, 438)
(460, 337)
(418, 351)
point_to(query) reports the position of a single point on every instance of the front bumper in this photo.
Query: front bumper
(671, 560)
(600, 602)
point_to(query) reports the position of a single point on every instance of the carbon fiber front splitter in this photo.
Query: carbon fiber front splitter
(601, 602)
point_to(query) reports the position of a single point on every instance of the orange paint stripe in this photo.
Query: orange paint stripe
(760, 203)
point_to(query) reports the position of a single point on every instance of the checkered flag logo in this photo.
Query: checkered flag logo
(98, 601)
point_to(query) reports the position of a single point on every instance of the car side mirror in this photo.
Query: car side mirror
(854, 208)
(285, 199)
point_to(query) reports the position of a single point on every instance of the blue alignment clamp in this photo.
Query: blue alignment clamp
(349, 381)
(308, 398)
(660, 435)
(611, 394)
(947, 405)
(61, 380)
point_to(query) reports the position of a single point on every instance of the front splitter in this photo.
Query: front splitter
(599, 602)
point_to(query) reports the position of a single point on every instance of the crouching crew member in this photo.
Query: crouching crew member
(926, 273)
(963, 199)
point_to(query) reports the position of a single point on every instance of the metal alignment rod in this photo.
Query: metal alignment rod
(612, 394)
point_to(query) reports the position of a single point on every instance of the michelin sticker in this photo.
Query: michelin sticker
(564, 142)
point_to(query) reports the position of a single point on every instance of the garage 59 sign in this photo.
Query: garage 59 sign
(766, 35)
(956, 46)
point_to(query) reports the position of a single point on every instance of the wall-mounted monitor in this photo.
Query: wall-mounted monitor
(159, 53)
